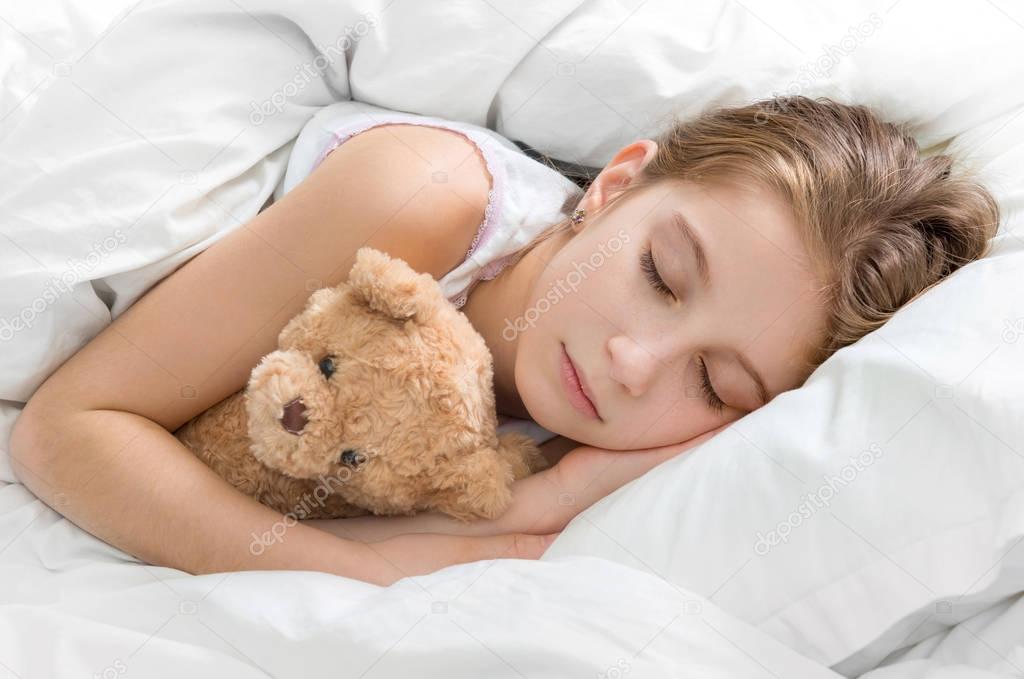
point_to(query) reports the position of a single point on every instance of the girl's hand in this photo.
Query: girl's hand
(533, 511)
(593, 473)
(419, 554)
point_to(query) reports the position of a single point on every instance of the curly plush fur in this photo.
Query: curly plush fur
(379, 400)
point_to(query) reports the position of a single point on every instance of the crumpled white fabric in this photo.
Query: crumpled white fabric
(133, 136)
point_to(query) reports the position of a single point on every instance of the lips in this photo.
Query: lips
(577, 390)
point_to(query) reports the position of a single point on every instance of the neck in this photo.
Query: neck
(493, 304)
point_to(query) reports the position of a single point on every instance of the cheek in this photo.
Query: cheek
(552, 299)
(533, 382)
(591, 282)
(660, 425)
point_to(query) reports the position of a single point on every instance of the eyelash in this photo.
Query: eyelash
(658, 283)
(714, 402)
(651, 271)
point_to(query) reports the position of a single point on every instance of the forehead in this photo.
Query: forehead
(763, 292)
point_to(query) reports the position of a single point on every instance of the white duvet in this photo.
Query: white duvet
(132, 136)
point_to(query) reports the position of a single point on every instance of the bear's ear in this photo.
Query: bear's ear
(393, 288)
(302, 324)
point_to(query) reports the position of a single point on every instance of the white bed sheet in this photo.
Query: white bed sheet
(988, 644)
(70, 605)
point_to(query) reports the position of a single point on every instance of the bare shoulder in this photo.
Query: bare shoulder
(429, 185)
(413, 192)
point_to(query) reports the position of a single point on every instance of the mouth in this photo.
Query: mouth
(576, 389)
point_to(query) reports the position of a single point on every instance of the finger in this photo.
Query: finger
(517, 546)
(509, 546)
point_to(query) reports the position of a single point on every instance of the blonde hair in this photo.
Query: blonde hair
(881, 223)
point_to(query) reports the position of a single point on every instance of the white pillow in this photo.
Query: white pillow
(846, 561)
(615, 71)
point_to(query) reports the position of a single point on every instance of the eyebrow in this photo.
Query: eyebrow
(700, 253)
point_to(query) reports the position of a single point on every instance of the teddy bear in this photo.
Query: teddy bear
(379, 400)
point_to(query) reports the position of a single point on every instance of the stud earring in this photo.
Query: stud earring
(577, 215)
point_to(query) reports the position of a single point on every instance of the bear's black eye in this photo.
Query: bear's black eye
(326, 366)
(352, 458)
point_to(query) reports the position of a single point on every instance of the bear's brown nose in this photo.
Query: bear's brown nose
(294, 418)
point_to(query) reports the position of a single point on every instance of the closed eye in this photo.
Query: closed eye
(650, 270)
(710, 395)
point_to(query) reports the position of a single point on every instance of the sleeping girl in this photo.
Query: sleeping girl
(631, 316)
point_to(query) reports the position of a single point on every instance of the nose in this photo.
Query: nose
(294, 418)
(632, 365)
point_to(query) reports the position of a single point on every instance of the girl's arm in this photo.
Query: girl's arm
(94, 441)
(128, 481)
(542, 503)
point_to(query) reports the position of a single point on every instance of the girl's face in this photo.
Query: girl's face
(625, 300)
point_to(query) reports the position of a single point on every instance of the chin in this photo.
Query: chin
(540, 401)
(549, 410)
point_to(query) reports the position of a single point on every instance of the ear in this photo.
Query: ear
(390, 286)
(300, 325)
(623, 169)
